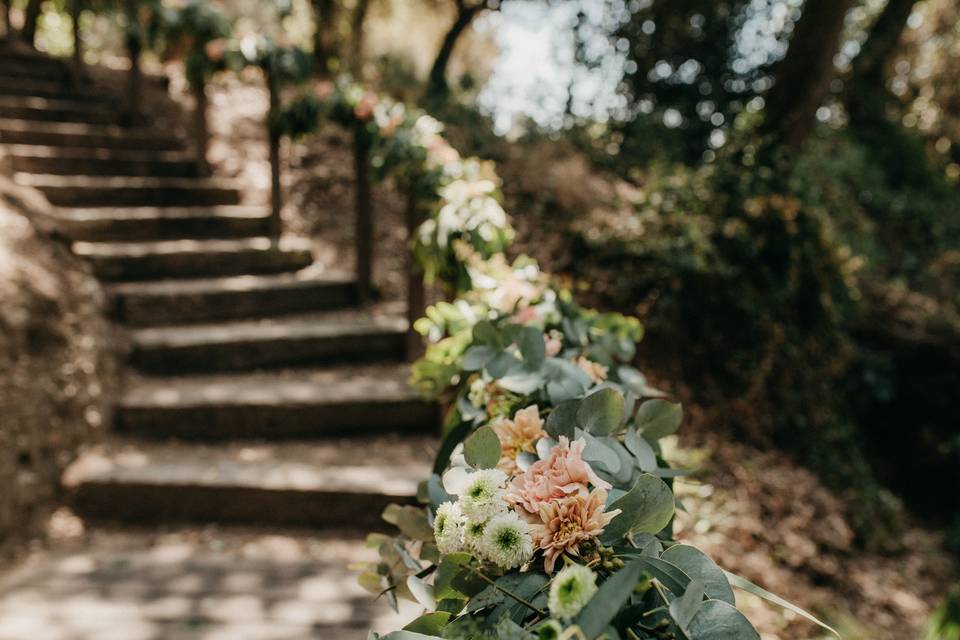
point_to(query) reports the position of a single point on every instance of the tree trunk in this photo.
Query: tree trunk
(437, 86)
(76, 8)
(356, 37)
(276, 196)
(200, 132)
(802, 79)
(134, 80)
(31, 15)
(5, 13)
(866, 86)
(325, 41)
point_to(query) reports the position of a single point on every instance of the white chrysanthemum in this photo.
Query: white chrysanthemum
(448, 528)
(479, 395)
(571, 590)
(482, 495)
(507, 541)
(473, 536)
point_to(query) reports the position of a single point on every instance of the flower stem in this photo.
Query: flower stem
(507, 592)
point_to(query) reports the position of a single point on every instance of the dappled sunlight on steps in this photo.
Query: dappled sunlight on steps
(289, 404)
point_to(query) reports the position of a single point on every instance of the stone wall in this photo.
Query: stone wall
(56, 371)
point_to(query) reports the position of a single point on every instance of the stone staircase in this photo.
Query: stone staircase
(257, 391)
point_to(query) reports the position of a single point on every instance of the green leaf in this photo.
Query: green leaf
(532, 348)
(477, 356)
(482, 448)
(500, 364)
(409, 635)
(519, 380)
(684, 608)
(641, 450)
(669, 575)
(562, 421)
(608, 600)
(746, 585)
(485, 333)
(522, 585)
(646, 508)
(717, 620)
(451, 565)
(422, 591)
(430, 623)
(565, 380)
(601, 412)
(658, 418)
(599, 454)
(412, 521)
(699, 566)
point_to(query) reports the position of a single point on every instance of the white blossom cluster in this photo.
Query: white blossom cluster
(480, 522)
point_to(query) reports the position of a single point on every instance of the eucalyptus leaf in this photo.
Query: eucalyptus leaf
(601, 412)
(408, 635)
(482, 448)
(646, 508)
(717, 620)
(422, 591)
(658, 418)
(699, 566)
(641, 450)
(562, 421)
(597, 453)
(500, 364)
(430, 623)
(532, 348)
(486, 334)
(477, 356)
(520, 380)
(684, 608)
(746, 585)
(565, 380)
(610, 597)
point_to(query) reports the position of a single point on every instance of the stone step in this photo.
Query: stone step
(46, 110)
(345, 484)
(119, 261)
(135, 224)
(122, 191)
(45, 87)
(81, 134)
(95, 161)
(308, 340)
(205, 299)
(279, 405)
(187, 583)
(44, 69)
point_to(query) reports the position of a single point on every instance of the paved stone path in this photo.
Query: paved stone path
(287, 401)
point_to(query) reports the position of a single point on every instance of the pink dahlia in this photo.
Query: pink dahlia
(564, 524)
(516, 436)
(563, 474)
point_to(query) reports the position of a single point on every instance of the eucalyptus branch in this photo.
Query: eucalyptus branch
(506, 592)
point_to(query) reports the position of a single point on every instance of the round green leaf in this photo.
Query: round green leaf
(658, 418)
(699, 566)
(601, 412)
(646, 508)
(482, 449)
(717, 620)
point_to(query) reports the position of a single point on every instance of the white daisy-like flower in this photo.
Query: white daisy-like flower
(448, 528)
(507, 541)
(479, 395)
(473, 536)
(482, 495)
(571, 590)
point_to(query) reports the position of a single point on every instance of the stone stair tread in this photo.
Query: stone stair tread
(332, 385)
(332, 324)
(193, 584)
(42, 181)
(124, 214)
(37, 102)
(96, 153)
(81, 128)
(159, 288)
(171, 247)
(382, 465)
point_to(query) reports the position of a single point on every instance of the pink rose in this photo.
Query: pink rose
(564, 473)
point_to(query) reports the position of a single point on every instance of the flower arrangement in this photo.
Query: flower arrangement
(549, 510)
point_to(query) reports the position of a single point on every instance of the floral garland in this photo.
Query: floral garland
(549, 510)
